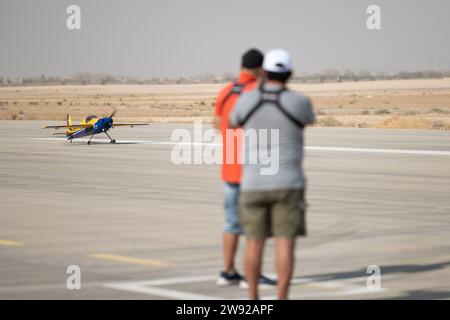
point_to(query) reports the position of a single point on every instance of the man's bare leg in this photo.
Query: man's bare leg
(285, 265)
(253, 261)
(230, 245)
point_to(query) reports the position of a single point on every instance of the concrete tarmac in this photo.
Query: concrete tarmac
(141, 227)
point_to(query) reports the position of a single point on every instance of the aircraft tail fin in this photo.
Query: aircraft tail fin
(69, 123)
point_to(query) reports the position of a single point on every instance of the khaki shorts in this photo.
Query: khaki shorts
(279, 213)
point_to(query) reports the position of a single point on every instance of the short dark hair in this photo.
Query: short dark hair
(252, 59)
(279, 76)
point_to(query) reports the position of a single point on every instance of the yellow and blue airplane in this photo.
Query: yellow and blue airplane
(91, 126)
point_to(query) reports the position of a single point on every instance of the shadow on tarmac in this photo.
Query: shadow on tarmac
(99, 143)
(423, 295)
(407, 268)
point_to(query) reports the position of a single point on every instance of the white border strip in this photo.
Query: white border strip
(339, 288)
(390, 151)
(312, 148)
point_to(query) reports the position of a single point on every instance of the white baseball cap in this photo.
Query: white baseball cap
(277, 60)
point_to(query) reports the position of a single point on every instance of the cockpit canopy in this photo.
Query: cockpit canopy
(89, 118)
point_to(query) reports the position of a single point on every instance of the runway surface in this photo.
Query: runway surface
(141, 227)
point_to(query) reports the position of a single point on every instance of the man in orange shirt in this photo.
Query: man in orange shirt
(231, 169)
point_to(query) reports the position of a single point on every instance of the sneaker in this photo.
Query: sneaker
(263, 283)
(228, 279)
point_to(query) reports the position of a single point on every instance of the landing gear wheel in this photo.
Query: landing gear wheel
(88, 142)
(113, 141)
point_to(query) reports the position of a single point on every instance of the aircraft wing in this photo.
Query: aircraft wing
(73, 126)
(129, 124)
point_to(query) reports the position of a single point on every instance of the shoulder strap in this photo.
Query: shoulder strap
(274, 98)
(237, 88)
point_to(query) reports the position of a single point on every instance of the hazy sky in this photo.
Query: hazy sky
(171, 38)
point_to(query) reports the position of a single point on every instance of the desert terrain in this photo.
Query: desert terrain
(407, 104)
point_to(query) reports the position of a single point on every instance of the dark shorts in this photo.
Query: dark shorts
(279, 213)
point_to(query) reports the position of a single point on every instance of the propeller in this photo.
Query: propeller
(111, 117)
(113, 113)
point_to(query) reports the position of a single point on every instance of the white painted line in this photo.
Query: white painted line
(390, 151)
(131, 141)
(329, 294)
(338, 288)
(312, 148)
(159, 292)
(149, 287)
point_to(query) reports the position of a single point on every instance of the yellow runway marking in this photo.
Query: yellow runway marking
(10, 243)
(131, 260)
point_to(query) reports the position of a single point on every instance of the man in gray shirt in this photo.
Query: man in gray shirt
(272, 199)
